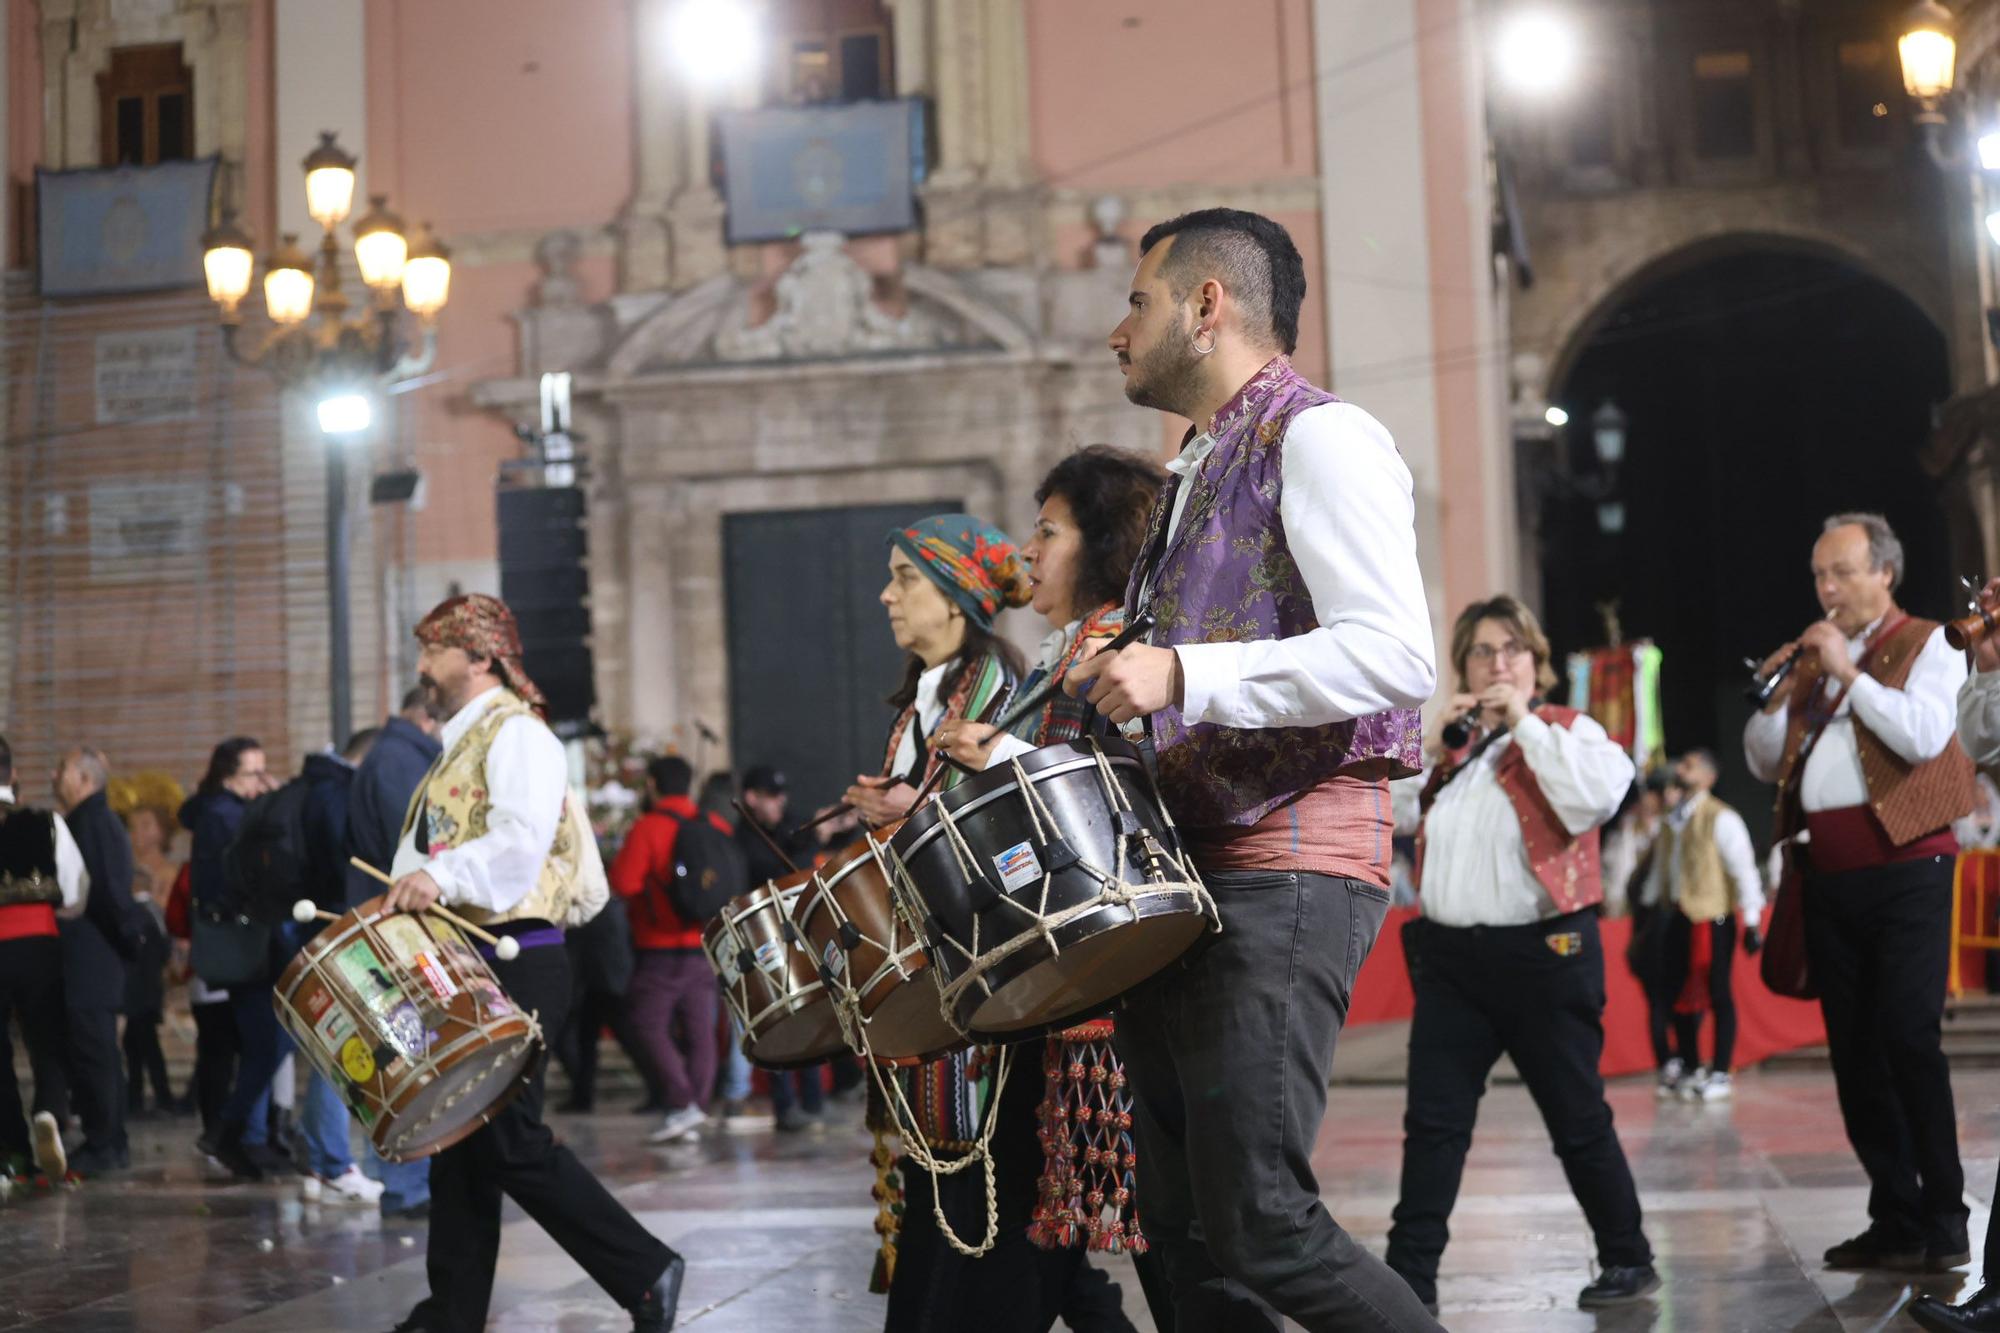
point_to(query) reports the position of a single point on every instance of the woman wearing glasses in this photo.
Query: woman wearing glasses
(1506, 957)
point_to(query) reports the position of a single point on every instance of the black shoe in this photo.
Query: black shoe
(1978, 1313)
(1948, 1248)
(1878, 1248)
(271, 1159)
(416, 1323)
(655, 1311)
(228, 1149)
(1619, 1285)
(99, 1159)
(575, 1106)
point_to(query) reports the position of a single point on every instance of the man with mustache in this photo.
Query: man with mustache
(493, 832)
(1280, 691)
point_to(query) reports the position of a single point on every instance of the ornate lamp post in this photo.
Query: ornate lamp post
(315, 344)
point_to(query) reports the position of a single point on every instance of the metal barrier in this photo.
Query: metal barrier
(1977, 872)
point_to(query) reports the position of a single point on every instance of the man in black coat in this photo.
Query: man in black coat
(95, 948)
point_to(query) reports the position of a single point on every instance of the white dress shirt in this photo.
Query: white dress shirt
(930, 713)
(1739, 862)
(72, 878)
(1476, 870)
(1979, 717)
(1350, 521)
(1916, 722)
(527, 779)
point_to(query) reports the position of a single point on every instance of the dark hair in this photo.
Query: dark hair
(1110, 492)
(6, 762)
(223, 761)
(359, 744)
(1702, 754)
(979, 643)
(671, 775)
(1255, 258)
(415, 698)
(717, 791)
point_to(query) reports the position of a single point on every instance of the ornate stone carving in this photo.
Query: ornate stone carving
(556, 254)
(825, 309)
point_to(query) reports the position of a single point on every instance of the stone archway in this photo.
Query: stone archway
(1767, 384)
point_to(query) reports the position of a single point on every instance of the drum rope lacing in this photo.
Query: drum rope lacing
(895, 954)
(1112, 893)
(982, 1149)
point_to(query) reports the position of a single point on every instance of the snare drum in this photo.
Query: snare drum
(408, 1022)
(771, 978)
(1048, 886)
(871, 954)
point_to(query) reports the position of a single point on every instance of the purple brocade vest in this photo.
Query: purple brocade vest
(1228, 576)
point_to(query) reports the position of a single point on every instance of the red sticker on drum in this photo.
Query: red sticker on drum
(434, 977)
(317, 1002)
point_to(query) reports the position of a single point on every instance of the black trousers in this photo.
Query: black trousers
(517, 1157)
(1676, 947)
(1016, 1287)
(1228, 1052)
(144, 1060)
(216, 1047)
(1536, 994)
(1879, 941)
(31, 991)
(97, 1075)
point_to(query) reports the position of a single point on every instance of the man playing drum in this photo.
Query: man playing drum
(1280, 689)
(485, 836)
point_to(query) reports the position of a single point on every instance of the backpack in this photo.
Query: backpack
(264, 866)
(709, 869)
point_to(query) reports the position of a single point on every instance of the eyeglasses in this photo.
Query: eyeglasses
(1483, 653)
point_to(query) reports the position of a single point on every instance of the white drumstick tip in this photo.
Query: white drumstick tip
(508, 949)
(304, 910)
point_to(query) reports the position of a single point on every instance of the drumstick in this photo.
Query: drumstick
(505, 947)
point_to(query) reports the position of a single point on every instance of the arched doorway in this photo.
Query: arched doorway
(1762, 391)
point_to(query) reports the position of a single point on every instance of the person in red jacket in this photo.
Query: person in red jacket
(672, 978)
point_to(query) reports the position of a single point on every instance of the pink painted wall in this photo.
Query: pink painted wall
(1457, 290)
(1126, 95)
(487, 114)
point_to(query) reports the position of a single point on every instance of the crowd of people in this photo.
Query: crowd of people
(1280, 646)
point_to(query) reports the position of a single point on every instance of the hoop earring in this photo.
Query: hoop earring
(1195, 342)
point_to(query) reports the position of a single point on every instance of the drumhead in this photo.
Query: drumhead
(804, 1037)
(1104, 954)
(910, 1021)
(462, 1098)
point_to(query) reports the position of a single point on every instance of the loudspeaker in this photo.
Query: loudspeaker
(545, 581)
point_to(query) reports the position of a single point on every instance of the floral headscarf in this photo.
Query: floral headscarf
(972, 561)
(481, 624)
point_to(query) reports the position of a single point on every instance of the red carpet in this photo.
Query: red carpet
(1765, 1023)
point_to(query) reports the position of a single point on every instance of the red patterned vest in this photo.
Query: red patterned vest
(1908, 800)
(1566, 865)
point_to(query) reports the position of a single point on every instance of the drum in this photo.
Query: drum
(771, 978)
(405, 1018)
(1048, 887)
(872, 956)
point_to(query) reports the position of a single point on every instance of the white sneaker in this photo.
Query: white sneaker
(679, 1124)
(737, 1118)
(350, 1186)
(1716, 1087)
(50, 1159)
(1672, 1074)
(1691, 1086)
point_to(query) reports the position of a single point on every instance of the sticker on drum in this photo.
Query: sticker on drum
(356, 1061)
(317, 1003)
(1018, 867)
(406, 1029)
(405, 938)
(834, 958)
(496, 1001)
(367, 977)
(334, 1027)
(771, 955)
(731, 973)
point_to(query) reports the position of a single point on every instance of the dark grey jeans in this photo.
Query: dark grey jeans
(1228, 1053)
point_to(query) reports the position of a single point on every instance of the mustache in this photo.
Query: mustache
(426, 681)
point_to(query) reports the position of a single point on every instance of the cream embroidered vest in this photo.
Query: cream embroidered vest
(571, 888)
(1695, 862)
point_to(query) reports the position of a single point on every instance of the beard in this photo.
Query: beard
(1166, 377)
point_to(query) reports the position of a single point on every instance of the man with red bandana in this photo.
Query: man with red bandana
(494, 833)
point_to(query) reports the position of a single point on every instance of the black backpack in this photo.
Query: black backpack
(709, 869)
(264, 866)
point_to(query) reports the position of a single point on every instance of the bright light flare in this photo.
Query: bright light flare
(1537, 53)
(715, 42)
(1556, 417)
(345, 413)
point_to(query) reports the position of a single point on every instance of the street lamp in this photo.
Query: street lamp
(1929, 52)
(1537, 53)
(314, 345)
